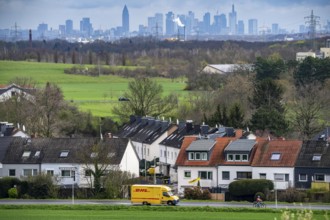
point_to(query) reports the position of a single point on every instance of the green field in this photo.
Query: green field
(95, 94)
(84, 212)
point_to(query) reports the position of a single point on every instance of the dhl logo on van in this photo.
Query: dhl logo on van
(141, 190)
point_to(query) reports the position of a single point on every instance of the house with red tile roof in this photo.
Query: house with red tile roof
(199, 158)
(236, 159)
(276, 161)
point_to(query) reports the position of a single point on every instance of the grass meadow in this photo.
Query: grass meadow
(95, 94)
(99, 212)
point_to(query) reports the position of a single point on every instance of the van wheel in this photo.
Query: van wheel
(170, 203)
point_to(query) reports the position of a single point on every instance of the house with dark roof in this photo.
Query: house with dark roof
(8, 129)
(275, 160)
(146, 133)
(65, 158)
(170, 147)
(9, 91)
(225, 68)
(4, 143)
(313, 164)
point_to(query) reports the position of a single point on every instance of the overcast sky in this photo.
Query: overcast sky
(106, 14)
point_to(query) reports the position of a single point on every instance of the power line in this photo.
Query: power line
(312, 22)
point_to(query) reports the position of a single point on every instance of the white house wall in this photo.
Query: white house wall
(271, 171)
(130, 161)
(232, 174)
(18, 169)
(184, 182)
(169, 158)
(57, 168)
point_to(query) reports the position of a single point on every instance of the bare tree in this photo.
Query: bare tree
(310, 102)
(144, 97)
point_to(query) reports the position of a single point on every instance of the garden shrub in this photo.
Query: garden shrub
(249, 187)
(42, 186)
(5, 184)
(12, 193)
(197, 193)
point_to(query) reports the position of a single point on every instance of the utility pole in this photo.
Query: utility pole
(312, 22)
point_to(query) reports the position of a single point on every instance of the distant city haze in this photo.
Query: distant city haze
(107, 14)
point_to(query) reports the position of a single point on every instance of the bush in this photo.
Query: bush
(197, 193)
(12, 193)
(5, 184)
(249, 187)
(42, 186)
(292, 195)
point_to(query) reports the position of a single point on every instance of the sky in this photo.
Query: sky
(106, 14)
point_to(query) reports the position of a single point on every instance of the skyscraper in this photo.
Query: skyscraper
(68, 27)
(86, 27)
(125, 21)
(155, 25)
(240, 27)
(170, 24)
(206, 22)
(253, 27)
(275, 28)
(232, 21)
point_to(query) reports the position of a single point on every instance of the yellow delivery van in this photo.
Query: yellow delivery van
(152, 195)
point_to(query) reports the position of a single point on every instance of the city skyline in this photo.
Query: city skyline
(107, 14)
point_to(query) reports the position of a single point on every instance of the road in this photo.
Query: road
(184, 203)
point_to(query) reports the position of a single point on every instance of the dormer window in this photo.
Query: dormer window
(111, 154)
(275, 156)
(237, 157)
(197, 156)
(64, 153)
(37, 154)
(94, 154)
(26, 153)
(316, 157)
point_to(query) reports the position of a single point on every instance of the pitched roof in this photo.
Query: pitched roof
(201, 145)
(215, 157)
(4, 144)
(50, 150)
(277, 153)
(176, 138)
(241, 145)
(310, 149)
(4, 89)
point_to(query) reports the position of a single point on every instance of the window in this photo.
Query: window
(187, 174)
(244, 175)
(37, 154)
(275, 156)
(197, 156)
(319, 177)
(88, 172)
(205, 175)
(30, 172)
(50, 172)
(245, 157)
(303, 177)
(316, 157)
(161, 153)
(281, 177)
(225, 175)
(111, 154)
(64, 153)
(12, 172)
(26, 153)
(66, 173)
(262, 175)
(237, 157)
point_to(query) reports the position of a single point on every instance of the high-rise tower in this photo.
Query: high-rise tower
(233, 21)
(125, 21)
(170, 24)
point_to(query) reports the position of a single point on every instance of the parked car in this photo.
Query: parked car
(123, 99)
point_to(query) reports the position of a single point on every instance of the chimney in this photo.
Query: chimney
(30, 37)
(204, 129)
